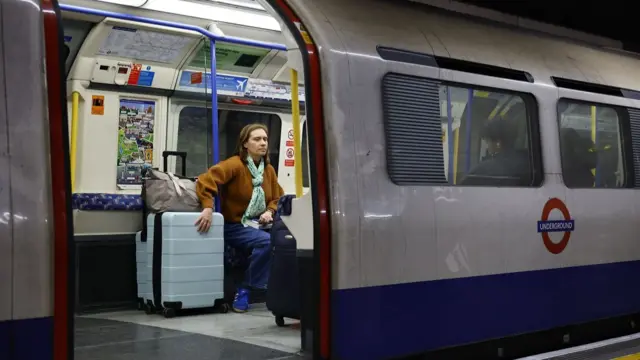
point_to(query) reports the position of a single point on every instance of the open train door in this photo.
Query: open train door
(303, 41)
(55, 56)
(35, 283)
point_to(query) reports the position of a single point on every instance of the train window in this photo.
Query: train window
(194, 135)
(487, 136)
(231, 122)
(591, 145)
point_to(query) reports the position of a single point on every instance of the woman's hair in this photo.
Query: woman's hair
(244, 137)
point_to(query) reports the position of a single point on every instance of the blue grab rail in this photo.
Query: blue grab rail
(214, 114)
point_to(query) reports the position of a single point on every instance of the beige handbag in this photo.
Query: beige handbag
(164, 191)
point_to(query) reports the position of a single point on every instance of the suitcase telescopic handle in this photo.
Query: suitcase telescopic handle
(181, 154)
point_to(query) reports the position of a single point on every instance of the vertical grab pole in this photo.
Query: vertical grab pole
(75, 104)
(214, 115)
(297, 151)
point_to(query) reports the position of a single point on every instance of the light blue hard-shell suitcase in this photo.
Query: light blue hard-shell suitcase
(185, 267)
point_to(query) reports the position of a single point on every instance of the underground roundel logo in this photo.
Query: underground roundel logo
(546, 226)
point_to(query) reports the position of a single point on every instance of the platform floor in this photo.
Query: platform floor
(622, 348)
(133, 335)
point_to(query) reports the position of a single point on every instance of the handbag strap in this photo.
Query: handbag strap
(176, 183)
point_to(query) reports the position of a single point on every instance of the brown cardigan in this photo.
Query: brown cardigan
(235, 179)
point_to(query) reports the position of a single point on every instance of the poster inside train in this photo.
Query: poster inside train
(135, 140)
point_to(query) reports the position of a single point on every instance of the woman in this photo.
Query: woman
(250, 190)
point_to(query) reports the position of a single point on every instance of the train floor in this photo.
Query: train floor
(622, 348)
(134, 335)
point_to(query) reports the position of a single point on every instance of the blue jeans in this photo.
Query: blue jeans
(257, 243)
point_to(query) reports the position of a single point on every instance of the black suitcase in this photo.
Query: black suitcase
(283, 289)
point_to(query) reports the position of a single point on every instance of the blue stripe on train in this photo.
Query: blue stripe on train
(386, 321)
(28, 339)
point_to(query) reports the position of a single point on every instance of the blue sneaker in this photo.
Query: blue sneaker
(241, 302)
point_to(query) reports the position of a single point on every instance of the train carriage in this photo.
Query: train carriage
(464, 186)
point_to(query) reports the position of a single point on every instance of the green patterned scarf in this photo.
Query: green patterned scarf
(257, 205)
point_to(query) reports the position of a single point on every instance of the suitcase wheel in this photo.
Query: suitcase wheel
(149, 309)
(280, 321)
(224, 308)
(169, 313)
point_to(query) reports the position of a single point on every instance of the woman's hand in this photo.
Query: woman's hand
(266, 217)
(204, 220)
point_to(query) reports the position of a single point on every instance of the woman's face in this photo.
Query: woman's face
(257, 144)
